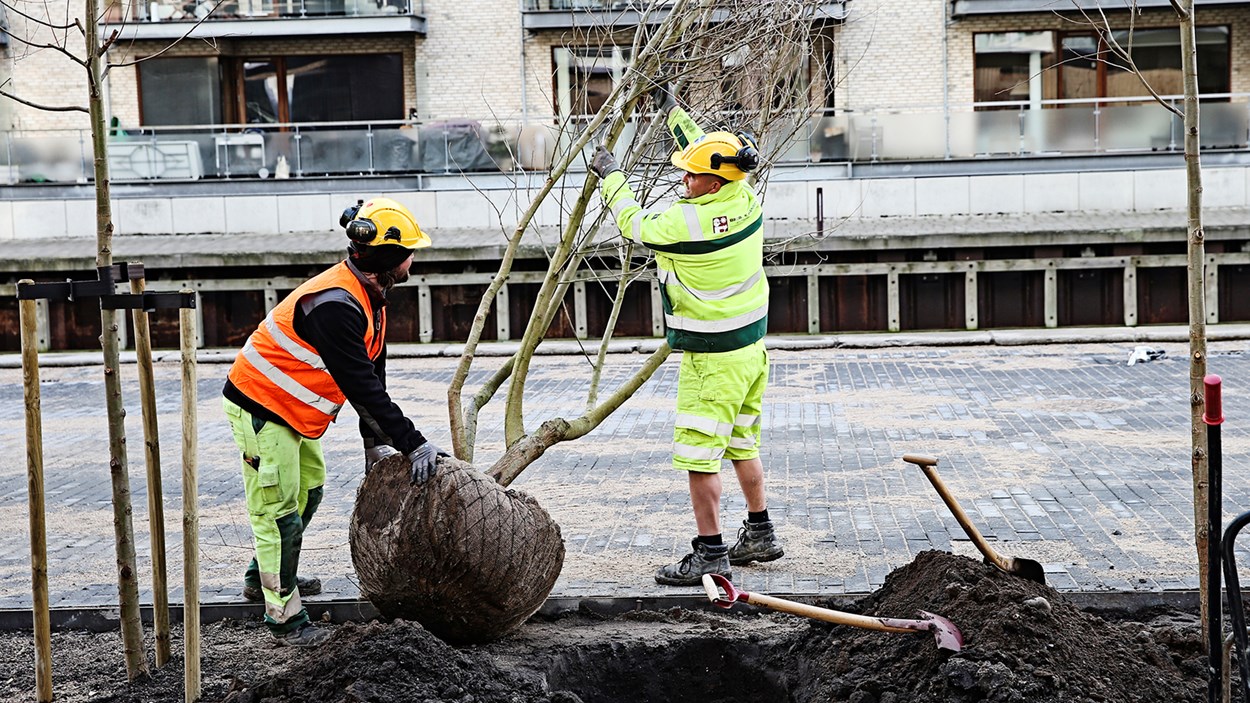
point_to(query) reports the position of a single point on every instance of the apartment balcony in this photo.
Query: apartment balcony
(615, 14)
(206, 19)
(966, 140)
(968, 8)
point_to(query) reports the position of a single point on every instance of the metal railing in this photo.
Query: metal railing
(227, 10)
(592, 5)
(1011, 130)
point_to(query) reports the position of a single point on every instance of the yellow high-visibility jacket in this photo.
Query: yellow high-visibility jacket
(709, 255)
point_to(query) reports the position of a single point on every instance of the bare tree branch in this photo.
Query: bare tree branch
(37, 106)
(171, 45)
(54, 47)
(10, 6)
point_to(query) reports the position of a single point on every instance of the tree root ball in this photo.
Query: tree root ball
(467, 558)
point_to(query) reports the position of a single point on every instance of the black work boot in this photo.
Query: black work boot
(305, 635)
(307, 587)
(689, 571)
(757, 541)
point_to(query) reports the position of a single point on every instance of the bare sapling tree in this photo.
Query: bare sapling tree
(735, 64)
(1119, 46)
(56, 27)
(464, 556)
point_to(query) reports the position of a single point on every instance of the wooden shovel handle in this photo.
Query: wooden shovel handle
(834, 616)
(928, 466)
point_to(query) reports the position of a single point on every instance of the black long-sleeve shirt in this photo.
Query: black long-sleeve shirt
(335, 327)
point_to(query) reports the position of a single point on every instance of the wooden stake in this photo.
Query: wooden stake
(156, 493)
(190, 511)
(34, 487)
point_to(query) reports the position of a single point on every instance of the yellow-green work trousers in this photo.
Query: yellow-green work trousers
(283, 477)
(719, 399)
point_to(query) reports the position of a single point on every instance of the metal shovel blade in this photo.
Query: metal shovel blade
(948, 636)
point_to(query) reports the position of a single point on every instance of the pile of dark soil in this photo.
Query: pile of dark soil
(1022, 642)
(396, 661)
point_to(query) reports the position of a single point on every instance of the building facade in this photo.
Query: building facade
(968, 164)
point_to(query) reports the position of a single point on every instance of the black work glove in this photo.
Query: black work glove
(603, 162)
(375, 454)
(423, 460)
(663, 98)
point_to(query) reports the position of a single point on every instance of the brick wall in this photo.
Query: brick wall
(889, 54)
(44, 76)
(469, 64)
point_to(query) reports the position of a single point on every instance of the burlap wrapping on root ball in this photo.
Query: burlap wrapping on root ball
(465, 557)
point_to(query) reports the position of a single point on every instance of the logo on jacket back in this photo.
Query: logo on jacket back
(720, 225)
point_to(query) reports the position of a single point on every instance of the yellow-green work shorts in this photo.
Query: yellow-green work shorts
(719, 399)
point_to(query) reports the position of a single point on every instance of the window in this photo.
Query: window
(178, 91)
(585, 77)
(1037, 66)
(273, 90)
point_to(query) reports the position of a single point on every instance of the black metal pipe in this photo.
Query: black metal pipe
(1213, 416)
(1232, 585)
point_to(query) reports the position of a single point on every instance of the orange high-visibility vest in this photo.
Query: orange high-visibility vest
(285, 374)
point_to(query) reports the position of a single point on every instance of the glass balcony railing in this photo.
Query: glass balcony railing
(1071, 128)
(211, 10)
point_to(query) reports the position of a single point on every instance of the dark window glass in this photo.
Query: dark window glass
(345, 88)
(178, 91)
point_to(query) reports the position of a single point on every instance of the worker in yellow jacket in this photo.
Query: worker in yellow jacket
(709, 257)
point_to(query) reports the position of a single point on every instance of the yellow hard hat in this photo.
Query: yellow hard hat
(382, 221)
(730, 156)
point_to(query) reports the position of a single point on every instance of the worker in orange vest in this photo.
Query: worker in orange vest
(322, 346)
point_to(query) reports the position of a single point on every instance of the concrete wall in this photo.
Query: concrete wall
(497, 208)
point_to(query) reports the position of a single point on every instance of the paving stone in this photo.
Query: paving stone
(1058, 452)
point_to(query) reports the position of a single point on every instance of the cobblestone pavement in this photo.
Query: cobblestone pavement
(1061, 453)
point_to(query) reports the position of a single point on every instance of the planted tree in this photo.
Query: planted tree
(44, 27)
(467, 557)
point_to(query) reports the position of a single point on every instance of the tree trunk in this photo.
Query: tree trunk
(123, 528)
(467, 558)
(1197, 304)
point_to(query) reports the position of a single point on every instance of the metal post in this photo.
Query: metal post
(1213, 416)
(971, 300)
(190, 508)
(425, 313)
(657, 310)
(813, 303)
(35, 497)
(1130, 293)
(579, 310)
(892, 296)
(503, 324)
(369, 138)
(1212, 292)
(1050, 295)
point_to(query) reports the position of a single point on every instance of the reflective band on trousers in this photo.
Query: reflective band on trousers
(670, 278)
(288, 384)
(705, 425)
(293, 347)
(686, 451)
(689, 324)
(746, 422)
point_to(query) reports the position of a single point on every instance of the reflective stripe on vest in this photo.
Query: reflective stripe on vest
(670, 278)
(285, 374)
(728, 324)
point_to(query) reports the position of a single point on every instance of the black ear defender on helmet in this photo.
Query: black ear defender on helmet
(363, 230)
(747, 159)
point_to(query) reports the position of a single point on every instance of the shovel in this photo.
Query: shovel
(1024, 568)
(948, 636)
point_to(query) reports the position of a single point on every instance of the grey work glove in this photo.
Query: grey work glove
(423, 460)
(603, 162)
(375, 454)
(663, 98)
